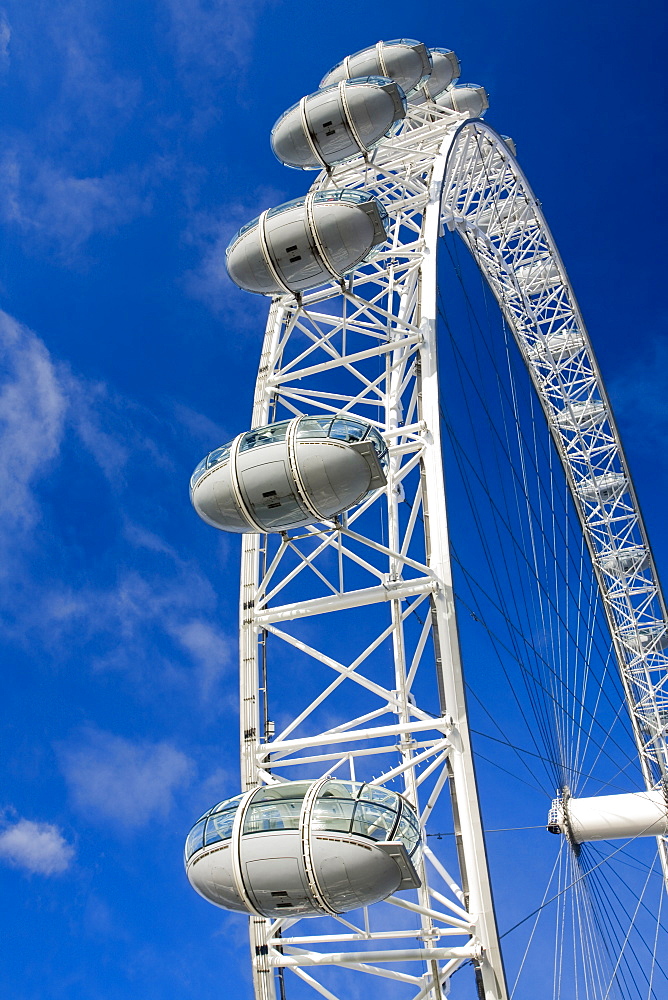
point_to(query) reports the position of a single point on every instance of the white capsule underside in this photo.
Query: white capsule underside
(299, 256)
(331, 476)
(351, 873)
(603, 489)
(582, 416)
(537, 277)
(328, 127)
(625, 562)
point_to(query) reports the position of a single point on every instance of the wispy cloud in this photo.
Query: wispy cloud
(210, 233)
(56, 186)
(5, 38)
(65, 57)
(53, 206)
(37, 848)
(113, 780)
(32, 418)
(214, 36)
(149, 614)
(210, 649)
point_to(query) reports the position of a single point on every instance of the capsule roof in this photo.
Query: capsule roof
(404, 60)
(445, 71)
(466, 98)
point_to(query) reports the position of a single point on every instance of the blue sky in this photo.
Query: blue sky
(134, 143)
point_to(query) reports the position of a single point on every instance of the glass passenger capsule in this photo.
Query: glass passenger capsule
(403, 60)
(445, 72)
(306, 242)
(467, 98)
(289, 474)
(625, 561)
(582, 415)
(304, 848)
(604, 488)
(561, 346)
(338, 122)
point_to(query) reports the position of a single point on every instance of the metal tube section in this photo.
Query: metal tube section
(249, 695)
(473, 855)
(355, 957)
(611, 817)
(403, 320)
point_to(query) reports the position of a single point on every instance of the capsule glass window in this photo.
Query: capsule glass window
(408, 832)
(333, 814)
(218, 456)
(348, 429)
(374, 820)
(220, 822)
(275, 808)
(271, 434)
(198, 473)
(195, 839)
(313, 427)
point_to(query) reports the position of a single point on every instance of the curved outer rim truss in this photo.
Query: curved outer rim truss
(441, 168)
(501, 221)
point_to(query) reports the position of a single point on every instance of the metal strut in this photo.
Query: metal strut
(370, 348)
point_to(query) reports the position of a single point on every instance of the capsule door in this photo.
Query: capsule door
(269, 492)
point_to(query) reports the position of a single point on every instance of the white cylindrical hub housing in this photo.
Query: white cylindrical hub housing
(610, 817)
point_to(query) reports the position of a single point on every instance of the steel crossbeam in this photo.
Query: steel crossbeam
(367, 346)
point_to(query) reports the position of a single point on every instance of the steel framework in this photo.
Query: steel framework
(368, 346)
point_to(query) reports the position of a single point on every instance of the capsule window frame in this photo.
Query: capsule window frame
(356, 798)
(371, 433)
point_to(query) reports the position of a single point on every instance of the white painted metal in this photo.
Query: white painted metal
(368, 345)
(488, 199)
(612, 817)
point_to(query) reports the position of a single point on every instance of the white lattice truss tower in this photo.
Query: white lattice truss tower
(369, 346)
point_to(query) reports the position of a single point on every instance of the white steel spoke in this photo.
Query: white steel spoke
(366, 346)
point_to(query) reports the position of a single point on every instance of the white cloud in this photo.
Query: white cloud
(5, 37)
(209, 649)
(114, 780)
(148, 621)
(47, 202)
(211, 234)
(38, 848)
(213, 35)
(32, 417)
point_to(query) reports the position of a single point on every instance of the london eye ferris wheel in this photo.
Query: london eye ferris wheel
(383, 631)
